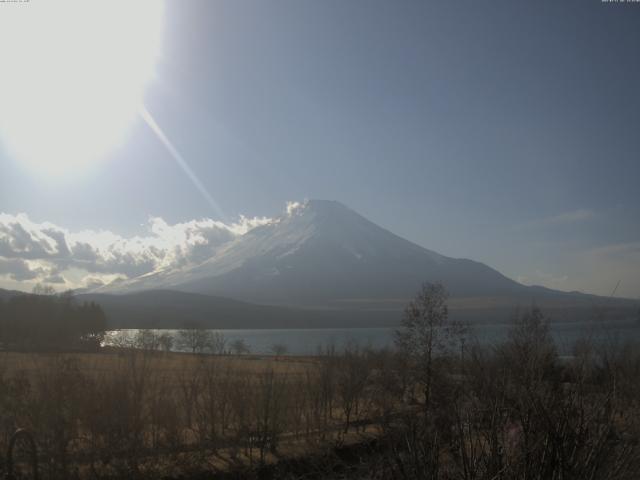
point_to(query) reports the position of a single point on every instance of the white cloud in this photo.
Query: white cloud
(293, 207)
(43, 252)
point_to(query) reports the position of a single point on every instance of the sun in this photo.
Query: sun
(73, 73)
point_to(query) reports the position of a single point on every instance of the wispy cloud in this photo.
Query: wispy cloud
(564, 218)
(617, 251)
(545, 279)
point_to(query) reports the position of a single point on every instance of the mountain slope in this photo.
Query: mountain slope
(325, 254)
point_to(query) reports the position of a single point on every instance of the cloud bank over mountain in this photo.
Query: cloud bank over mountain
(32, 252)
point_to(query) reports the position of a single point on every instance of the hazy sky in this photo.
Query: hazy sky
(503, 131)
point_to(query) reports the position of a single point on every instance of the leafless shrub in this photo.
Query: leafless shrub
(352, 378)
(279, 349)
(145, 339)
(240, 347)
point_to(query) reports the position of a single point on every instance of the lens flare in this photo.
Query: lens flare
(182, 163)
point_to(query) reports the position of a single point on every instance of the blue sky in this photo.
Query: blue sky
(502, 131)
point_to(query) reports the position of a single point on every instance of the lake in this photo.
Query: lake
(307, 341)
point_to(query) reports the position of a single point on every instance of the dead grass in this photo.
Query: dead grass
(168, 364)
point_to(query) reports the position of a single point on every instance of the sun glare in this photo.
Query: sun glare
(73, 75)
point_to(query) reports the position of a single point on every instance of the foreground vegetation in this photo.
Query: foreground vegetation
(437, 407)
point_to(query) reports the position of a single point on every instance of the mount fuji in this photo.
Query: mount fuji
(323, 254)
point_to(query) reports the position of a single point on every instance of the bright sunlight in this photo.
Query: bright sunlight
(73, 76)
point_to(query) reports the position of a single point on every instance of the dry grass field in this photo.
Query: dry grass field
(107, 414)
(165, 363)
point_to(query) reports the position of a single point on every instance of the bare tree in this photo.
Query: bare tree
(195, 340)
(530, 349)
(121, 339)
(352, 376)
(268, 411)
(218, 342)
(425, 332)
(42, 289)
(279, 349)
(165, 341)
(146, 339)
(239, 347)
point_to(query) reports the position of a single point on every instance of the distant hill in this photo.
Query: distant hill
(5, 294)
(174, 309)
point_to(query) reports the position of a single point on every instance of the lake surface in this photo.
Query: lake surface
(308, 341)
